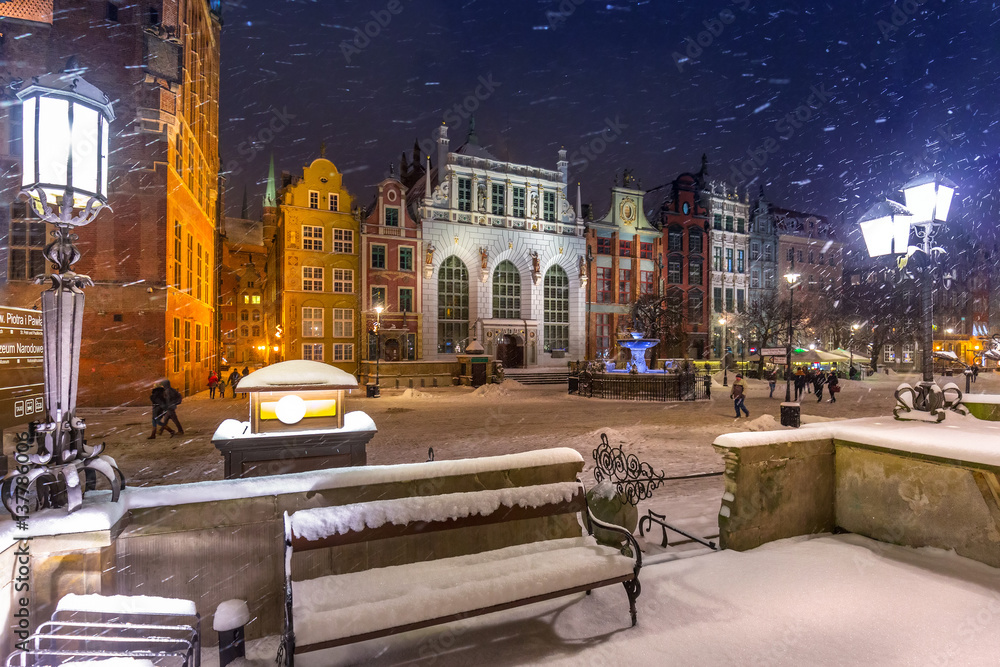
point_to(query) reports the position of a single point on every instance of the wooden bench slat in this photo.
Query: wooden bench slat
(307, 648)
(502, 515)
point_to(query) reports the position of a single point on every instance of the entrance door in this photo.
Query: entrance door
(392, 350)
(509, 353)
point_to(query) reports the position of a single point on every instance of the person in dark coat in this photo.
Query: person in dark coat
(158, 400)
(975, 372)
(800, 383)
(818, 381)
(833, 382)
(234, 379)
(173, 400)
(772, 380)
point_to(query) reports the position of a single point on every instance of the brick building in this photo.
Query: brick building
(683, 219)
(392, 251)
(243, 339)
(151, 312)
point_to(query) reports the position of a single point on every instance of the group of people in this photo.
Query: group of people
(812, 381)
(805, 380)
(217, 383)
(165, 400)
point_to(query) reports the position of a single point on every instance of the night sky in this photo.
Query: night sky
(896, 90)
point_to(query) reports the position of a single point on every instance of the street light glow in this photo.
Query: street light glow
(929, 197)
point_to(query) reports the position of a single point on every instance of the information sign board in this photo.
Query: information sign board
(22, 381)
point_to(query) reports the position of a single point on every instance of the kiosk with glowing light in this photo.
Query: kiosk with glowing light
(297, 422)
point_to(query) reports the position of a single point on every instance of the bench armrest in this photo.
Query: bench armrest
(630, 539)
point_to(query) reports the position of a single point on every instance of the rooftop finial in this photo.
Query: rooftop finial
(322, 149)
(473, 137)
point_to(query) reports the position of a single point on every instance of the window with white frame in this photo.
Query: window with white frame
(405, 258)
(343, 351)
(908, 350)
(312, 238)
(313, 199)
(888, 354)
(391, 216)
(312, 278)
(312, 351)
(343, 281)
(343, 323)
(378, 256)
(333, 201)
(312, 322)
(343, 241)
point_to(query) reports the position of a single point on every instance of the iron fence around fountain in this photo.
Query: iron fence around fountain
(646, 386)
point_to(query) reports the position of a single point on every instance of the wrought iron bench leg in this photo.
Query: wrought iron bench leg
(632, 589)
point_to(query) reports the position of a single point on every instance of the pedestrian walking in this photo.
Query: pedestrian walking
(975, 372)
(818, 381)
(810, 379)
(173, 400)
(800, 383)
(222, 387)
(246, 371)
(213, 382)
(158, 400)
(772, 380)
(738, 394)
(234, 379)
(833, 382)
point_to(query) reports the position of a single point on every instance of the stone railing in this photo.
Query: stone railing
(909, 483)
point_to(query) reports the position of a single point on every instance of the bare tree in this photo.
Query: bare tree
(766, 320)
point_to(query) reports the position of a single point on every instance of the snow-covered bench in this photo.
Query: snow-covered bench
(340, 609)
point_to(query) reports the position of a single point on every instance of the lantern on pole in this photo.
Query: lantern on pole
(66, 124)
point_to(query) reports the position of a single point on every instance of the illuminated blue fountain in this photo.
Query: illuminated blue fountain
(637, 345)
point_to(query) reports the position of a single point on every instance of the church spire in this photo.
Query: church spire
(270, 196)
(473, 138)
(245, 210)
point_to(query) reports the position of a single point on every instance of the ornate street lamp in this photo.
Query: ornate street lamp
(790, 410)
(850, 344)
(886, 228)
(378, 347)
(65, 170)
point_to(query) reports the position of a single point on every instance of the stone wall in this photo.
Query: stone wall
(776, 490)
(228, 548)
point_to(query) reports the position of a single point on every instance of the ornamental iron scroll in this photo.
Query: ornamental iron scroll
(927, 402)
(634, 480)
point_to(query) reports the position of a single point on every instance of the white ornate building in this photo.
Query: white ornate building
(504, 258)
(729, 240)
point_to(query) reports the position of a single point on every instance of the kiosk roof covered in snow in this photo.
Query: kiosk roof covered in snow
(297, 375)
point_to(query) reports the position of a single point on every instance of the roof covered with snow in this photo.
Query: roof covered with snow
(298, 374)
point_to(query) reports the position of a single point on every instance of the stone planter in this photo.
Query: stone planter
(610, 507)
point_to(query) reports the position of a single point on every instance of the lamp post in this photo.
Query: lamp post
(725, 360)
(64, 170)
(850, 344)
(378, 346)
(886, 227)
(792, 279)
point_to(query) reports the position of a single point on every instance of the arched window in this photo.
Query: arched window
(556, 309)
(696, 307)
(694, 240)
(506, 291)
(256, 316)
(256, 331)
(675, 239)
(675, 272)
(694, 272)
(244, 316)
(453, 305)
(244, 331)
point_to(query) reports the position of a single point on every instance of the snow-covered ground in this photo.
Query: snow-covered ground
(821, 600)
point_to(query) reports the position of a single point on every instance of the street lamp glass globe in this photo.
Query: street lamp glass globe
(792, 278)
(886, 228)
(929, 197)
(65, 140)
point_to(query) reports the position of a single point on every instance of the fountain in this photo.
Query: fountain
(637, 345)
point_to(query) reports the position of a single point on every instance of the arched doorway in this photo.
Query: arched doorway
(510, 351)
(391, 350)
